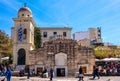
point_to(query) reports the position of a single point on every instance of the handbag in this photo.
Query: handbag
(81, 75)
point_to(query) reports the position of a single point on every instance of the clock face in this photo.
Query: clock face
(20, 34)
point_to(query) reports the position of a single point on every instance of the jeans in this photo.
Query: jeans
(28, 76)
(8, 78)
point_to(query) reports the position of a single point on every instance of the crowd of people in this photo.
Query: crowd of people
(110, 68)
(7, 72)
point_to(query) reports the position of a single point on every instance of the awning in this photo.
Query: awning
(107, 59)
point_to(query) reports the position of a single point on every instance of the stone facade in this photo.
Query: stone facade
(84, 42)
(63, 54)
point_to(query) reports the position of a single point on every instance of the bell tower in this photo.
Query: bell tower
(23, 36)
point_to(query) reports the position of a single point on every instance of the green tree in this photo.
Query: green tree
(5, 45)
(117, 52)
(9, 61)
(37, 37)
(104, 52)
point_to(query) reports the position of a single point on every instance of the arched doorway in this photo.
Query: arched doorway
(21, 56)
(84, 63)
(61, 65)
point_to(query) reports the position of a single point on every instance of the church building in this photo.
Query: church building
(59, 51)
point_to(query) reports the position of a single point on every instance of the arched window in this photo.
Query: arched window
(21, 56)
(22, 14)
(24, 33)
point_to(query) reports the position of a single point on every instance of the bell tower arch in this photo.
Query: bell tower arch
(23, 36)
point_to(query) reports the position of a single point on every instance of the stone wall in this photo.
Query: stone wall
(54, 52)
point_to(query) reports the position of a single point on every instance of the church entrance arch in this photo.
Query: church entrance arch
(21, 57)
(61, 65)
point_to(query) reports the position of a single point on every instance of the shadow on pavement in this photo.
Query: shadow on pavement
(22, 79)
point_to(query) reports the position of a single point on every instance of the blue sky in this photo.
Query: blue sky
(78, 14)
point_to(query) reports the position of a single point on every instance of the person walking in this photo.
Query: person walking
(95, 72)
(51, 74)
(81, 74)
(28, 72)
(8, 73)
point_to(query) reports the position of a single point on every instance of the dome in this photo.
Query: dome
(24, 12)
(24, 9)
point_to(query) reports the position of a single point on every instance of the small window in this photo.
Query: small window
(54, 33)
(64, 34)
(28, 15)
(44, 34)
(25, 34)
(22, 14)
(99, 35)
(99, 30)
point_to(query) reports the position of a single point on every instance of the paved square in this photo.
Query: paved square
(86, 78)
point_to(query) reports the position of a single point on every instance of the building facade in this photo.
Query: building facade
(50, 33)
(93, 35)
(60, 52)
(23, 36)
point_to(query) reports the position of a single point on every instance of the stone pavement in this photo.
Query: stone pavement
(86, 78)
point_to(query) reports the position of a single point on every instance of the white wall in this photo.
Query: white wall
(80, 35)
(58, 30)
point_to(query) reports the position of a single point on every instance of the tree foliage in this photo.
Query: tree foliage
(5, 43)
(9, 61)
(5, 46)
(106, 52)
(117, 52)
(37, 37)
